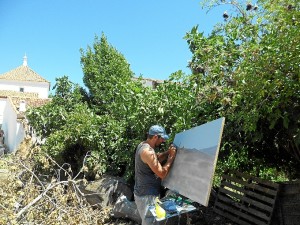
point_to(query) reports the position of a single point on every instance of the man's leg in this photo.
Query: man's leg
(142, 203)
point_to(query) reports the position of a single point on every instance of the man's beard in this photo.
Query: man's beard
(160, 146)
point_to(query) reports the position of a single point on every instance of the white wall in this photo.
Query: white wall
(2, 107)
(10, 128)
(20, 135)
(42, 88)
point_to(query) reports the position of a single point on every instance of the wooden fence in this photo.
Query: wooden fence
(245, 199)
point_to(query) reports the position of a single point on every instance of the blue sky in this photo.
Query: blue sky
(148, 33)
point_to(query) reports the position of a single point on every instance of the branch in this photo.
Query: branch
(88, 154)
(58, 207)
(3, 206)
(60, 167)
(44, 194)
(27, 169)
(26, 208)
(33, 174)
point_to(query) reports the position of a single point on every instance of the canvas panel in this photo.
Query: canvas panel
(193, 168)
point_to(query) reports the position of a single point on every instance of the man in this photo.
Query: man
(149, 171)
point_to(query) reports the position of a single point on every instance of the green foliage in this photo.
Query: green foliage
(107, 75)
(246, 70)
(253, 59)
(52, 117)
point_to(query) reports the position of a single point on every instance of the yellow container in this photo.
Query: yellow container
(160, 212)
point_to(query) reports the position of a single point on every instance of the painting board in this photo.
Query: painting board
(193, 169)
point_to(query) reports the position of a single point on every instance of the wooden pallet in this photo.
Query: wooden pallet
(245, 199)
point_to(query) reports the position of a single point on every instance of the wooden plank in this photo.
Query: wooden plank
(253, 186)
(249, 193)
(230, 193)
(263, 190)
(239, 207)
(253, 211)
(241, 215)
(248, 200)
(250, 185)
(258, 180)
(227, 200)
(258, 204)
(260, 197)
(232, 186)
(252, 179)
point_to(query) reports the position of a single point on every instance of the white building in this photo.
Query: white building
(20, 88)
(147, 82)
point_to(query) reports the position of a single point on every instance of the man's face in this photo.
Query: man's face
(159, 141)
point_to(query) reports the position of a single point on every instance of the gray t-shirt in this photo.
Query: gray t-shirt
(146, 181)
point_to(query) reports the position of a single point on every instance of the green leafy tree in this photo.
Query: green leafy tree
(52, 116)
(248, 71)
(107, 76)
(68, 126)
(115, 93)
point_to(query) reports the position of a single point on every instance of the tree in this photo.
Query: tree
(52, 116)
(248, 68)
(107, 75)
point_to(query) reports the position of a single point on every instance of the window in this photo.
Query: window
(21, 89)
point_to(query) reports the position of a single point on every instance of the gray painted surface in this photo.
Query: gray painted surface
(193, 169)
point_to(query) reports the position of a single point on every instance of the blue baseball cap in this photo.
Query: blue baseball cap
(158, 130)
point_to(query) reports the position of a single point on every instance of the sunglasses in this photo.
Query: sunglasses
(159, 136)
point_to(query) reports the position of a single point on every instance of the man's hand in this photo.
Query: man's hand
(172, 151)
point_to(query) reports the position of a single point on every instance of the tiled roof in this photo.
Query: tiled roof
(7, 93)
(30, 102)
(22, 73)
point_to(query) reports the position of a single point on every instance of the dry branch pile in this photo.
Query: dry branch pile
(28, 196)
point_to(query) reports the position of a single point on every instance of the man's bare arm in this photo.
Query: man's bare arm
(162, 156)
(150, 157)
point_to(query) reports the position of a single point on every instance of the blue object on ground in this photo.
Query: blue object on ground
(169, 206)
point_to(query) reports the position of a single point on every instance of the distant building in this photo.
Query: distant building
(20, 88)
(147, 82)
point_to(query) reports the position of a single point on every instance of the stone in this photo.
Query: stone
(105, 191)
